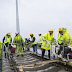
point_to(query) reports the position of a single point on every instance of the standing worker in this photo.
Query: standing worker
(19, 40)
(33, 42)
(67, 36)
(64, 39)
(47, 38)
(7, 40)
(60, 37)
(60, 41)
(40, 40)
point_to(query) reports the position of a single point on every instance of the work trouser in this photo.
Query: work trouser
(20, 49)
(60, 50)
(43, 52)
(35, 48)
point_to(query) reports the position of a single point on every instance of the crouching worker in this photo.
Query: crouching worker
(47, 38)
(33, 42)
(27, 42)
(19, 40)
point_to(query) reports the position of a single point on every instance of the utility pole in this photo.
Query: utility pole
(17, 18)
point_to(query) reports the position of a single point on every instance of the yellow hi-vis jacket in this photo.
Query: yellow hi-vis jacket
(7, 39)
(40, 39)
(35, 42)
(60, 38)
(67, 37)
(18, 39)
(45, 44)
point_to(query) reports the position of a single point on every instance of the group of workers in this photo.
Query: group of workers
(7, 41)
(64, 38)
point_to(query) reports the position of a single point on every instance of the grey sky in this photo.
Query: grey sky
(35, 16)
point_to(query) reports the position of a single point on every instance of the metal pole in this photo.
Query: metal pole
(17, 18)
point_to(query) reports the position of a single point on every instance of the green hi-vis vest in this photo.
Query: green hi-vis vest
(45, 44)
(35, 42)
(7, 39)
(40, 39)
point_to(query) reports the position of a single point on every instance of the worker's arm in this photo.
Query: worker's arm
(3, 39)
(22, 41)
(11, 39)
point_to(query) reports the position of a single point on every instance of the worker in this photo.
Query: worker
(7, 40)
(60, 37)
(47, 39)
(34, 43)
(20, 42)
(67, 36)
(27, 42)
(60, 41)
(40, 40)
(63, 40)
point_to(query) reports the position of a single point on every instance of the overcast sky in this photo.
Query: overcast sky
(35, 16)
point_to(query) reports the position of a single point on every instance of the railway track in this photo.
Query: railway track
(32, 63)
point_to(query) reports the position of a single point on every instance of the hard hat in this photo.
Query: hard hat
(60, 29)
(51, 29)
(31, 33)
(39, 33)
(8, 33)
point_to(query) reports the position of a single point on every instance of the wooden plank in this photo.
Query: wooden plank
(38, 63)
